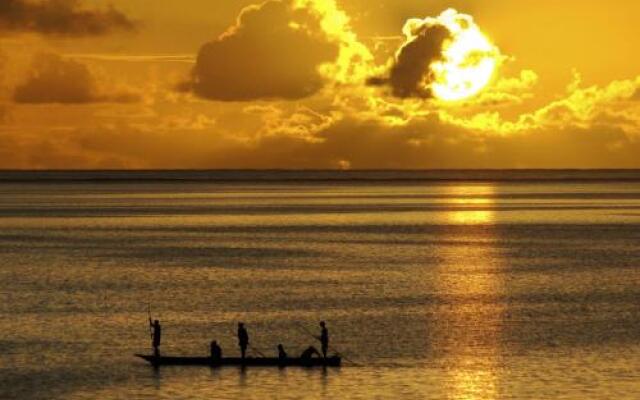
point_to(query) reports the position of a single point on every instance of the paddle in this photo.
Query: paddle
(332, 348)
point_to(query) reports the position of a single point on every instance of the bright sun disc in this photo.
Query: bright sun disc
(468, 62)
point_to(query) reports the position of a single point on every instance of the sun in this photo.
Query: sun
(469, 59)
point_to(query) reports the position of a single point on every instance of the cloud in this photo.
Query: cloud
(274, 51)
(60, 17)
(580, 108)
(300, 122)
(447, 57)
(54, 79)
(507, 91)
(355, 61)
(410, 74)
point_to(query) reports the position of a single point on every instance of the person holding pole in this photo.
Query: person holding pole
(156, 336)
(243, 339)
(324, 338)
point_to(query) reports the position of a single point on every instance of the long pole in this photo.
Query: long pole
(255, 350)
(150, 321)
(332, 348)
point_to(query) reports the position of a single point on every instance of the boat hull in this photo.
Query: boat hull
(239, 362)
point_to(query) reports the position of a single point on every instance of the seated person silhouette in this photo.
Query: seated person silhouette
(216, 351)
(309, 352)
(281, 353)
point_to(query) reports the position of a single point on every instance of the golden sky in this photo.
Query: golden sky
(363, 84)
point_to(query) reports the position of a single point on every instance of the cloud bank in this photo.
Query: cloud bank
(426, 142)
(60, 17)
(305, 50)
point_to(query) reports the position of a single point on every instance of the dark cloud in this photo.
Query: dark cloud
(274, 51)
(410, 75)
(54, 79)
(431, 144)
(60, 17)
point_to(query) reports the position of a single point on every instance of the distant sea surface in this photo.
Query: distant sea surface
(436, 284)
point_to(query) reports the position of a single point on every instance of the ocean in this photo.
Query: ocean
(434, 284)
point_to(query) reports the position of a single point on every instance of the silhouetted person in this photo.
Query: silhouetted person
(216, 351)
(309, 352)
(156, 336)
(243, 339)
(324, 339)
(281, 353)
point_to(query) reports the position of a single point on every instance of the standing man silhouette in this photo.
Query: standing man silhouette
(324, 339)
(156, 336)
(243, 339)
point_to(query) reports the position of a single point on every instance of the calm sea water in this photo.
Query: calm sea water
(486, 285)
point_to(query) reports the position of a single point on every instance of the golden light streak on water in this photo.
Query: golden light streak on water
(470, 269)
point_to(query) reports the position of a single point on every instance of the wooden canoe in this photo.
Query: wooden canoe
(239, 362)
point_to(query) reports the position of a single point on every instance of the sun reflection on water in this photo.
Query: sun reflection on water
(472, 217)
(469, 276)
